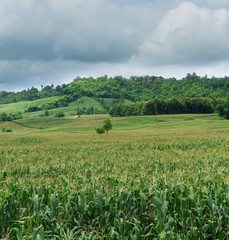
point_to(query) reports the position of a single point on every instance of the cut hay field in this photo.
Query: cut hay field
(164, 178)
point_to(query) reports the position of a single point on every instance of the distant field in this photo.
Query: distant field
(71, 109)
(84, 102)
(164, 177)
(21, 106)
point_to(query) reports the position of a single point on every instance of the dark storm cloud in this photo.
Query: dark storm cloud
(70, 30)
(50, 40)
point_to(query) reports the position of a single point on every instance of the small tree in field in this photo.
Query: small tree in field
(107, 125)
(46, 113)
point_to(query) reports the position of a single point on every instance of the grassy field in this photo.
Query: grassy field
(86, 102)
(22, 106)
(83, 103)
(149, 178)
(71, 109)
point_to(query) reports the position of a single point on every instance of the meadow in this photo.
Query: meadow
(150, 177)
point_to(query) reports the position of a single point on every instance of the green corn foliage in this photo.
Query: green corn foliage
(163, 186)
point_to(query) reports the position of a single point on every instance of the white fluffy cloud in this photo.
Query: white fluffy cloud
(189, 35)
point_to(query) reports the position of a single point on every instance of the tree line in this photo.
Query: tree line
(135, 88)
(4, 117)
(223, 108)
(165, 106)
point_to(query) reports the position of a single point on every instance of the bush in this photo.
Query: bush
(59, 114)
(7, 130)
(4, 117)
(100, 130)
(46, 113)
(33, 109)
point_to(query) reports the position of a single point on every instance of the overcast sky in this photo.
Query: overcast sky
(53, 41)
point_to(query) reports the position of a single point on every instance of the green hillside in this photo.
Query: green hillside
(83, 104)
(136, 88)
(22, 106)
(86, 102)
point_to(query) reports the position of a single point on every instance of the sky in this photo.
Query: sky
(53, 41)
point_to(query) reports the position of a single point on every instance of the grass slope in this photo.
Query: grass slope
(22, 106)
(84, 102)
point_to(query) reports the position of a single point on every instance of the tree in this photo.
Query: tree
(46, 113)
(223, 109)
(107, 125)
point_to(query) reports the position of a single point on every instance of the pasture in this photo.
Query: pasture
(149, 178)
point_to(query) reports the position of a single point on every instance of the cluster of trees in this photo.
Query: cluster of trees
(164, 106)
(106, 105)
(30, 94)
(148, 87)
(56, 103)
(6, 130)
(59, 114)
(88, 111)
(135, 88)
(107, 125)
(4, 117)
(223, 109)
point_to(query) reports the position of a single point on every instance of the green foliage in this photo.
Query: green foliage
(223, 109)
(100, 130)
(59, 114)
(107, 125)
(46, 113)
(86, 104)
(10, 117)
(33, 109)
(22, 106)
(142, 88)
(164, 106)
(138, 183)
(132, 109)
(7, 130)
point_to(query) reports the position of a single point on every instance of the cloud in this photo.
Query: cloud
(52, 41)
(188, 35)
(82, 30)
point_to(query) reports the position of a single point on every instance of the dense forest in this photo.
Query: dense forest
(165, 106)
(135, 89)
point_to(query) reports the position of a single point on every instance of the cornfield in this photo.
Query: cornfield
(125, 185)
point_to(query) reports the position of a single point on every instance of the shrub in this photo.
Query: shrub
(59, 114)
(33, 109)
(7, 130)
(46, 113)
(100, 130)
